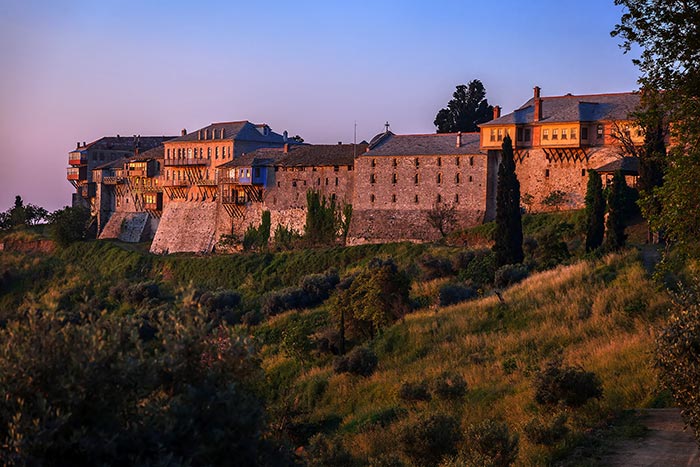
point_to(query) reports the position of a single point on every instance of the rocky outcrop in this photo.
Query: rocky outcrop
(186, 227)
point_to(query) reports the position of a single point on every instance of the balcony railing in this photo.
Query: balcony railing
(176, 183)
(112, 180)
(137, 173)
(77, 159)
(185, 162)
(205, 182)
(237, 200)
(76, 173)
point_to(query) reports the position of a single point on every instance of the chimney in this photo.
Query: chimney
(285, 135)
(286, 148)
(496, 112)
(459, 140)
(183, 132)
(340, 143)
(538, 105)
(84, 144)
(77, 146)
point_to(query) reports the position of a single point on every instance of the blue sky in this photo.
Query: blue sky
(78, 70)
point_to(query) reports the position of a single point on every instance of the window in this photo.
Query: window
(456, 198)
(564, 133)
(393, 198)
(168, 153)
(439, 178)
(189, 153)
(394, 178)
(415, 199)
(417, 163)
(415, 179)
(257, 171)
(519, 134)
(439, 198)
(439, 161)
(336, 168)
(638, 132)
(493, 134)
(326, 181)
(457, 161)
(395, 162)
(318, 181)
(216, 151)
(599, 132)
(546, 173)
(583, 172)
(223, 152)
(528, 134)
(294, 183)
(545, 134)
(336, 181)
(457, 178)
(208, 153)
(371, 198)
(555, 134)
(584, 133)
(573, 133)
(500, 134)
(374, 162)
(372, 178)
(471, 160)
(471, 179)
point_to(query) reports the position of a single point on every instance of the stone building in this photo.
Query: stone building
(87, 156)
(401, 178)
(277, 180)
(557, 139)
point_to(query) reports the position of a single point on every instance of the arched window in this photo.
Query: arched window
(439, 178)
(457, 178)
(415, 179)
(394, 178)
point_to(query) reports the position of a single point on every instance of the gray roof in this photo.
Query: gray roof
(257, 158)
(243, 131)
(389, 144)
(125, 143)
(156, 153)
(112, 164)
(322, 155)
(570, 108)
(627, 165)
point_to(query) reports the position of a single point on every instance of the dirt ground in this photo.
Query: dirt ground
(666, 443)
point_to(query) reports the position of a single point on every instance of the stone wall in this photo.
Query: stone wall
(393, 195)
(186, 226)
(132, 227)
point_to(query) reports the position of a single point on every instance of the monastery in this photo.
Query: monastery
(186, 192)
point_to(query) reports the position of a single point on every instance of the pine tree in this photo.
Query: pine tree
(615, 227)
(595, 211)
(508, 237)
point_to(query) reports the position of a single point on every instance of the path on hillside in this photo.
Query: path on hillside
(666, 443)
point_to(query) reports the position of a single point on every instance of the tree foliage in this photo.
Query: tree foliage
(21, 214)
(325, 220)
(92, 392)
(70, 224)
(468, 108)
(615, 236)
(442, 217)
(595, 211)
(508, 236)
(668, 34)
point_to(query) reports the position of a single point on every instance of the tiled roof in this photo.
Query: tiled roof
(126, 143)
(156, 153)
(570, 108)
(320, 155)
(423, 145)
(628, 165)
(259, 157)
(112, 164)
(243, 131)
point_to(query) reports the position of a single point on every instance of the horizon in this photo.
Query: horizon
(78, 72)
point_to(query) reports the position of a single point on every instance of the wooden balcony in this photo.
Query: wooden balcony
(170, 183)
(205, 182)
(185, 162)
(113, 180)
(89, 190)
(76, 158)
(76, 173)
(238, 201)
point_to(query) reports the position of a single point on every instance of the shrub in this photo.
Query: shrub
(359, 361)
(70, 224)
(252, 318)
(324, 451)
(572, 386)
(551, 249)
(509, 274)
(489, 443)
(430, 438)
(222, 305)
(481, 269)
(313, 290)
(327, 340)
(134, 294)
(449, 385)
(545, 432)
(412, 392)
(450, 294)
(433, 267)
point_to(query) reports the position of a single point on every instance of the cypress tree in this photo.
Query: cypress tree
(595, 211)
(508, 237)
(615, 227)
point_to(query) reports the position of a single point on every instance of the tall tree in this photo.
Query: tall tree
(468, 108)
(508, 237)
(595, 211)
(668, 34)
(615, 226)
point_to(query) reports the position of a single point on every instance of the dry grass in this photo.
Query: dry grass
(599, 315)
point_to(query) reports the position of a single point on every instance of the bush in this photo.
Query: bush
(489, 443)
(413, 392)
(221, 305)
(433, 267)
(313, 290)
(134, 294)
(430, 438)
(450, 294)
(324, 451)
(327, 340)
(678, 358)
(509, 274)
(571, 386)
(252, 318)
(449, 385)
(545, 432)
(70, 224)
(551, 249)
(480, 269)
(359, 361)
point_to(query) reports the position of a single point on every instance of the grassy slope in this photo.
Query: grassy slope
(600, 315)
